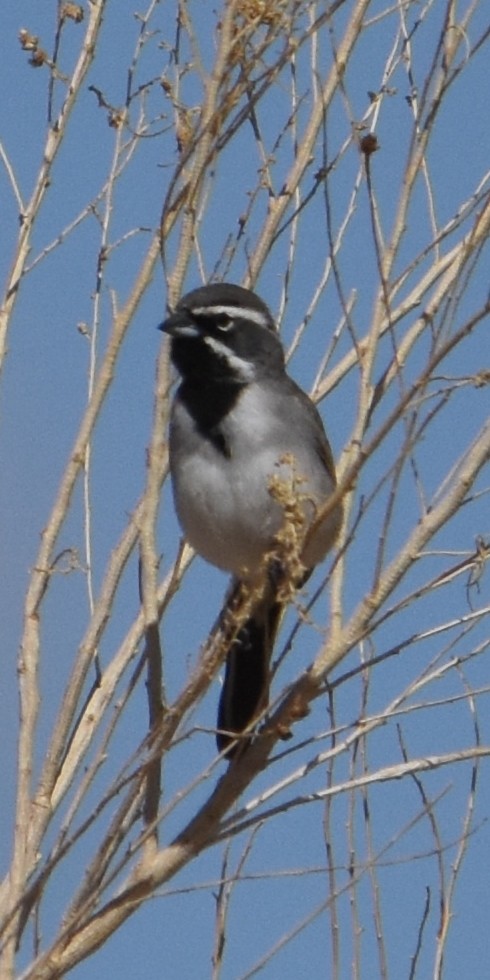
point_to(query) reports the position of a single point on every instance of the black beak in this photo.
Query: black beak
(179, 324)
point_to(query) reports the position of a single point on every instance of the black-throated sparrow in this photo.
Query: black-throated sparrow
(238, 423)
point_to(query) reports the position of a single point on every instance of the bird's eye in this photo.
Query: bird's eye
(223, 321)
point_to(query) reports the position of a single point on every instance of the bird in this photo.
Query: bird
(241, 432)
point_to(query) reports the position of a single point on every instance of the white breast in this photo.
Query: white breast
(224, 504)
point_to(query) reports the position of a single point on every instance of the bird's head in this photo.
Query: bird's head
(223, 332)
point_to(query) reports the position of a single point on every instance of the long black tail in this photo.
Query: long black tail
(246, 687)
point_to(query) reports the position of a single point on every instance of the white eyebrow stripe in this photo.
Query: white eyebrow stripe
(244, 370)
(257, 316)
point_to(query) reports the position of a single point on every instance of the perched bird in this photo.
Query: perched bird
(239, 423)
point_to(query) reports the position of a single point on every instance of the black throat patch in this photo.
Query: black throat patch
(208, 407)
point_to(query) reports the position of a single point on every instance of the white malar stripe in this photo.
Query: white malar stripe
(245, 313)
(244, 370)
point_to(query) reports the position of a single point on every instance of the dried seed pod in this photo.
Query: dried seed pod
(369, 144)
(28, 42)
(72, 11)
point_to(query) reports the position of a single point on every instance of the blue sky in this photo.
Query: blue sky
(42, 396)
